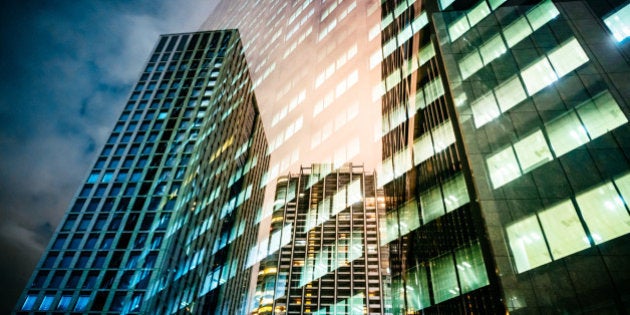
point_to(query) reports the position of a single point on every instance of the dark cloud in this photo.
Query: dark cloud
(66, 68)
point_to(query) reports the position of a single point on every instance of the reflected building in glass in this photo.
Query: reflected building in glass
(498, 129)
(325, 256)
(168, 210)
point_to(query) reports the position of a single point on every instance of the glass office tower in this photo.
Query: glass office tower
(508, 139)
(170, 199)
(324, 244)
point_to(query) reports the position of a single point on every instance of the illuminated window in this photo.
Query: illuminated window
(496, 3)
(623, 184)
(604, 213)
(389, 228)
(455, 193)
(563, 230)
(527, 244)
(422, 148)
(431, 204)
(485, 109)
(409, 217)
(619, 23)
(601, 115)
(503, 167)
(516, 32)
(538, 76)
(46, 303)
(64, 303)
(445, 3)
(541, 14)
(444, 278)
(471, 268)
(29, 303)
(566, 133)
(81, 304)
(568, 57)
(510, 93)
(532, 151)
(470, 64)
(417, 289)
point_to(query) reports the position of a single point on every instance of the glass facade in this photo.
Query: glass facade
(498, 131)
(324, 255)
(544, 128)
(144, 218)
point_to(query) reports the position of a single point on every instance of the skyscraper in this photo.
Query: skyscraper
(324, 252)
(173, 196)
(504, 161)
(508, 139)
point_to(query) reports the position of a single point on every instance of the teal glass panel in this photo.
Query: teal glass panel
(455, 193)
(431, 204)
(409, 217)
(443, 278)
(471, 268)
(417, 289)
(619, 23)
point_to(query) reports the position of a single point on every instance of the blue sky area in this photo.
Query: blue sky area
(66, 69)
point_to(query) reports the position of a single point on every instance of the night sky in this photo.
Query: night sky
(66, 69)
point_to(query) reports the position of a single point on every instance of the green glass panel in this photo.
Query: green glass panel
(443, 278)
(471, 268)
(417, 289)
(431, 204)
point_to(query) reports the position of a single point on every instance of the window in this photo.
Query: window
(431, 204)
(471, 268)
(619, 23)
(527, 244)
(444, 278)
(532, 151)
(82, 303)
(47, 302)
(417, 289)
(64, 303)
(568, 57)
(604, 213)
(484, 109)
(29, 302)
(455, 193)
(566, 133)
(538, 76)
(601, 115)
(510, 93)
(563, 230)
(503, 167)
(409, 217)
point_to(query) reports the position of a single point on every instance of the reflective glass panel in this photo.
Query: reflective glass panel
(563, 230)
(443, 278)
(527, 244)
(604, 212)
(503, 167)
(471, 268)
